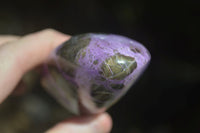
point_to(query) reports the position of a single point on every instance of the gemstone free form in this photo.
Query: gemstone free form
(90, 72)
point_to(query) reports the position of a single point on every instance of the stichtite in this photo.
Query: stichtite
(90, 72)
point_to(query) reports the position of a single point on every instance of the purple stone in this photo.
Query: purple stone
(90, 72)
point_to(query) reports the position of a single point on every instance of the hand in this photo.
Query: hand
(20, 54)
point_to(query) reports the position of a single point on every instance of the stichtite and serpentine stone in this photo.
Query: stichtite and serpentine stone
(90, 72)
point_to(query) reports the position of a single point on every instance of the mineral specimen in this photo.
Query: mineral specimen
(90, 72)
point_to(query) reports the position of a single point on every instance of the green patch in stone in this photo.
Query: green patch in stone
(95, 62)
(100, 95)
(70, 49)
(83, 54)
(118, 66)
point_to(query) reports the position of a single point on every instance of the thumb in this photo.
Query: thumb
(101, 123)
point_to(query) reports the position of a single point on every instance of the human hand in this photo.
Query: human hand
(21, 54)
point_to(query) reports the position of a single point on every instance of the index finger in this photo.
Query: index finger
(19, 56)
(7, 38)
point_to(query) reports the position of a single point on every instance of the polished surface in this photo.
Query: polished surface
(90, 72)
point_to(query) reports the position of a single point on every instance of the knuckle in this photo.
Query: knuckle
(49, 31)
(46, 34)
(43, 34)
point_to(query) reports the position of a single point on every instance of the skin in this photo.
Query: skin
(15, 53)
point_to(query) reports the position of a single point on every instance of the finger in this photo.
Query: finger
(7, 38)
(101, 123)
(3, 40)
(19, 56)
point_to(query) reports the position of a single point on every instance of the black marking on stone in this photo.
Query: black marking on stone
(137, 50)
(117, 86)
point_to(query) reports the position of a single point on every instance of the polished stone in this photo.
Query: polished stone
(90, 72)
